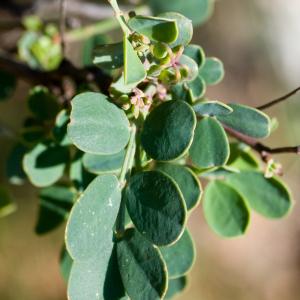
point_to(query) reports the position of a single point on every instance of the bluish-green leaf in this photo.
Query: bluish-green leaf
(187, 181)
(8, 84)
(196, 10)
(109, 56)
(179, 257)
(42, 103)
(134, 70)
(268, 196)
(210, 147)
(156, 207)
(7, 206)
(65, 264)
(60, 128)
(175, 287)
(100, 164)
(225, 210)
(212, 108)
(196, 53)
(191, 67)
(89, 240)
(14, 169)
(45, 164)
(247, 120)
(168, 130)
(97, 126)
(197, 88)
(156, 29)
(212, 71)
(55, 204)
(143, 271)
(184, 25)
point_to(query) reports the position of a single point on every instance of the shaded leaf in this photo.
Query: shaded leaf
(196, 53)
(8, 84)
(156, 207)
(212, 71)
(168, 130)
(60, 128)
(197, 88)
(65, 265)
(176, 286)
(142, 268)
(225, 210)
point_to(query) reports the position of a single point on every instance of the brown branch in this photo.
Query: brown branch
(278, 100)
(264, 151)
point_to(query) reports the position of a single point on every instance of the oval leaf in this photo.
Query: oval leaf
(196, 53)
(97, 126)
(45, 164)
(183, 248)
(176, 286)
(197, 88)
(210, 147)
(187, 181)
(168, 130)
(156, 207)
(247, 120)
(191, 66)
(99, 164)
(212, 108)
(156, 29)
(142, 268)
(212, 71)
(225, 210)
(268, 196)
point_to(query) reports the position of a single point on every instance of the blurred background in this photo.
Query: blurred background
(258, 41)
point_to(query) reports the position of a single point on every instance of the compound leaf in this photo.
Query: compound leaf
(156, 207)
(97, 126)
(225, 210)
(142, 268)
(168, 130)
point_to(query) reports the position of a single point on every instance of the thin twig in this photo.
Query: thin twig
(62, 23)
(264, 151)
(278, 100)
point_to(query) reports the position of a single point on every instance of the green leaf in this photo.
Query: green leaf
(179, 257)
(42, 103)
(184, 25)
(109, 56)
(14, 169)
(45, 164)
(168, 130)
(60, 128)
(7, 206)
(78, 174)
(32, 135)
(175, 287)
(55, 204)
(191, 66)
(197, 88)
(156, 207)
(65, 265)
(142, 268)
(97, 126)
(225, 210)
(212, 108)
(210, 147)
(156, 29)
(8, 85)
(268, 196)
(89, 240)
(91, 46)
(247, 120)
(212, 71)
(196, 10)
(196, 53)
(242, 158)
(134, 70)
(187, 181)
(181, 91)
(100, 164)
